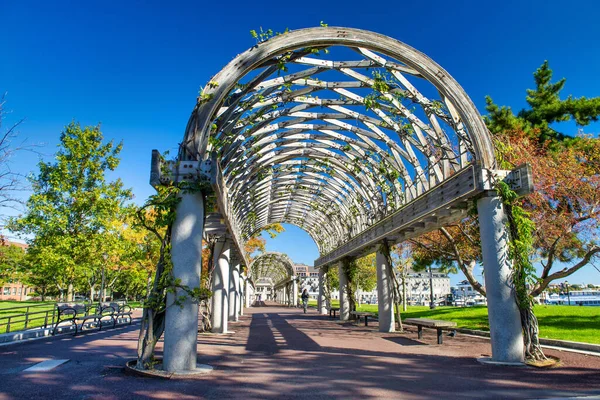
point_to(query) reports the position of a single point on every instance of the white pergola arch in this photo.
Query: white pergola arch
(355, 137)
(332, 144)
(271, 264)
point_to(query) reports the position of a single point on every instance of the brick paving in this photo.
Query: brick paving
(281, 353)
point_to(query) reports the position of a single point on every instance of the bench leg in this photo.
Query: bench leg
(366, 321)
(440, 336)
(420, 331)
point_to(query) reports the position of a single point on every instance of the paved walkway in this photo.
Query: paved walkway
(282, 353)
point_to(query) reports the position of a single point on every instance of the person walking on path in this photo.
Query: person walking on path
(305, 299)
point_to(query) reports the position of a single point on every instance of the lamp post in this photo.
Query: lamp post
(431, 301)
(102, 288)
(568, 294)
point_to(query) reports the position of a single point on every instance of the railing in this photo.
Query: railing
(33, 316)
(27, 317)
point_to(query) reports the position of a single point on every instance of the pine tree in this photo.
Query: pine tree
(546, 109)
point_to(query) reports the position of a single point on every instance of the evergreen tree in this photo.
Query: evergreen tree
(546, 109)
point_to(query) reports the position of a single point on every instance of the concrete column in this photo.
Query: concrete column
(181, 321)
(385, 293)
(247, 291)
(234, 283)
(284, 297)
(294, 292)
(242, 293)
(344, 303)
(220, 298)
(503, 313)
(322, 306)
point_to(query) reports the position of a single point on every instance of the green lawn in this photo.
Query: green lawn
(17, 309)
(578, 324)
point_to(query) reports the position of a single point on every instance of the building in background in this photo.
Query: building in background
(12, 288)
(463, 294)
(418, 285)
(308, 279)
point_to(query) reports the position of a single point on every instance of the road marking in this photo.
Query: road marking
(45, 366)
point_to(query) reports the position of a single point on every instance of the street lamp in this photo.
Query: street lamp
(568, 294)
(431, 301)
(102, 288)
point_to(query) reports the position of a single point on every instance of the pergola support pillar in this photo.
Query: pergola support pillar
(241, 296)
(322, 300)
(385, 291)
(294, 292)
(220, 298)
(344, 301)
(503, 313)
(234, 282)
(248, 293)
(181, 321)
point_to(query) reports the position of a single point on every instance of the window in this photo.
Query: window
(19, 290)
(6, 291)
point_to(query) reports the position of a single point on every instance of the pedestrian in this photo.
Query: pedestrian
(305, 299)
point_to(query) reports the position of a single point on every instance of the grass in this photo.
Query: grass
(577, 324)
(17, 310)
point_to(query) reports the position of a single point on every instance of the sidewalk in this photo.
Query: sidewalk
(281, 353)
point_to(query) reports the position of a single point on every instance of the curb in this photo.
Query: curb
(561, 344)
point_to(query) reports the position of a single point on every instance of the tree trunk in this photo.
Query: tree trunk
(531, 339)
(404, 291)
(70, 292)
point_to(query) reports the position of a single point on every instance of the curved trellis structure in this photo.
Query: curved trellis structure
(274, 265)
(333, 130)
(353, 136)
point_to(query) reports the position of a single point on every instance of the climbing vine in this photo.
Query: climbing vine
(520, 247)
(349, 268)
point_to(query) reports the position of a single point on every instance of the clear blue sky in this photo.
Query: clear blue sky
(136, 66)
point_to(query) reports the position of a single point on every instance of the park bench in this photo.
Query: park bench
(334, 309)
(364, 314)
(117, 311)
(80, 314)
(429, 323)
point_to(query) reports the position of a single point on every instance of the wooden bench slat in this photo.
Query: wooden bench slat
(432, 323)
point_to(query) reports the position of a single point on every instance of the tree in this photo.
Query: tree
(402, 259)
(12, 263)
(546, 109)
(72, 206)
(10, 181)
(365, 277)
(257, 243)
